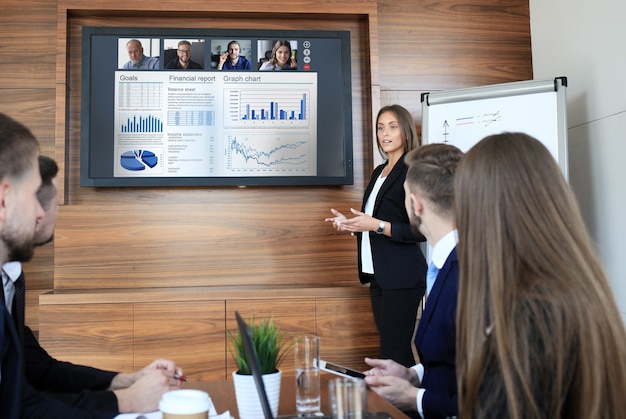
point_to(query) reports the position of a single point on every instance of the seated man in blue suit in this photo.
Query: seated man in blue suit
(429, 388)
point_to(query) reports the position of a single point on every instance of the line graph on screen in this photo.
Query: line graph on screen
(270, 154)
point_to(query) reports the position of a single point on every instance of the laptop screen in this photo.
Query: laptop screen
(255, 367)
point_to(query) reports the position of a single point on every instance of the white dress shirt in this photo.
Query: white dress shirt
(367, 262)
(10, 272)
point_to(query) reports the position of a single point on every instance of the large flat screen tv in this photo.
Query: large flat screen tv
(283, 116)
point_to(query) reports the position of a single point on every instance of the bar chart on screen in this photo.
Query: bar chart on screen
(268, 108)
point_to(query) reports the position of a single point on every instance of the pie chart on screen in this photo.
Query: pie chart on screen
(136, 160)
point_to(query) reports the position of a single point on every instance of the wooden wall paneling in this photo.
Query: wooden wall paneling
(98, 335)
(60, 150)
(145, 246)
(39, 279)
(28, 44)
(177, 7)
(294, 317)
(191, 333)
(448, 44)
(376, 159)
(34, 108)
(347, 331)
(27, 66)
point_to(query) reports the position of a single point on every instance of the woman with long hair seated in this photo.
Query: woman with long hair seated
(539, 334)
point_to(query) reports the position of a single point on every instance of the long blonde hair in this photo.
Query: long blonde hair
(539, 333)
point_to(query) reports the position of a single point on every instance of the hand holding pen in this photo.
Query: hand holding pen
(180, 377)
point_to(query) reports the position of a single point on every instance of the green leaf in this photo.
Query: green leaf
(268, 342)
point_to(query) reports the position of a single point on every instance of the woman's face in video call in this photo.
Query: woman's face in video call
(282, 55)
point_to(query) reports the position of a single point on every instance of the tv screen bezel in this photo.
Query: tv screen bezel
(87, 180)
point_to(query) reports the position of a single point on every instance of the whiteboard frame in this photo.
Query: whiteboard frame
(557, 84)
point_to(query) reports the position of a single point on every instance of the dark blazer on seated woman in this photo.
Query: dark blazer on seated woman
(435, 341)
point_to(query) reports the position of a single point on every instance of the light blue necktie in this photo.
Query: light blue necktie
(431, 276)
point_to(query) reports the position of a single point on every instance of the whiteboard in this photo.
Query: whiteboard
(463, 117)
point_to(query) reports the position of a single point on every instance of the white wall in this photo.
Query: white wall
(584, 41)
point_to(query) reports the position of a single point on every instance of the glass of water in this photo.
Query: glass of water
(307, 350)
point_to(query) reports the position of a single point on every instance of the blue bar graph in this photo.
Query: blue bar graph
(142, 124)
(275, 110)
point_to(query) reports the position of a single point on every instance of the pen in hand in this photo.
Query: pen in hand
(180, 377)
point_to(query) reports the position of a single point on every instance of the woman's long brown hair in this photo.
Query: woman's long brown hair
(539, 333)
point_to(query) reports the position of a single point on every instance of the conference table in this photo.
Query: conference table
(222, 393)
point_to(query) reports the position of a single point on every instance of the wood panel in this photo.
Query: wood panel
(98, 335)
(28, 50)
(145, 246)
(27, 68)
(347, 331)
(39, 280)
(452, 44)
(194, 329)
(191, 333)
(33, 108)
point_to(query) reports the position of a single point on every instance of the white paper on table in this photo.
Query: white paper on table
(159, 415)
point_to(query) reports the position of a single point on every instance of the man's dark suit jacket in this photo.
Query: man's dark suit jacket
(10, 361)
(64, 389)
(77, 385)
(398, 261)
(435, 343)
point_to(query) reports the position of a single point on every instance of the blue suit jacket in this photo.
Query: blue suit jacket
(398, 261)
(435, 341)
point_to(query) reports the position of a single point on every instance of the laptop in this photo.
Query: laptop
(255, 368)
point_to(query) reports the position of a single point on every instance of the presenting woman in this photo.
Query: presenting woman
(390, 259)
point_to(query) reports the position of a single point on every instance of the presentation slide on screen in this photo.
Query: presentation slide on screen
(199, 124)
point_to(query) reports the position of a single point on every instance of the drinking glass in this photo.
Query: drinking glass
(307, 350)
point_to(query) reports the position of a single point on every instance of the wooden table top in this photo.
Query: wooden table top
(222, 393)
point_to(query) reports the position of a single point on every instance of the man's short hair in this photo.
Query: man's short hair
(134, 41)
(18, 145)
(48, 169)
(430, 173)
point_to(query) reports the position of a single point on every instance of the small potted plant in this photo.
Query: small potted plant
(270, 346)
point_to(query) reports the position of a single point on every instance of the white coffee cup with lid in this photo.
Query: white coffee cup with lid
(186, 404)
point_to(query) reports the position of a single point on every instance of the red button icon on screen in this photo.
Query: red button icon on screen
(307, 67)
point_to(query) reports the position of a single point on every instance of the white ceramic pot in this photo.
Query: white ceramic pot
(248, 402)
